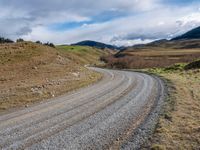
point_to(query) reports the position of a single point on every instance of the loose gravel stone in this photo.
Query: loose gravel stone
(90, 118)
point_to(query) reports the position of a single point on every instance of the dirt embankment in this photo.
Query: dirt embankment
(32, 72)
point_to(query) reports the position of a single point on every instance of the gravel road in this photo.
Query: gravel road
(100, 116)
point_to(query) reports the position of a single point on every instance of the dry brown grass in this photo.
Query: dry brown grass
(141, 62)
(166, 52)
(179, 126)
(30, 72)
(149, 57)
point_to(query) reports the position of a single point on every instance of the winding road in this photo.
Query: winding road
(100, 116)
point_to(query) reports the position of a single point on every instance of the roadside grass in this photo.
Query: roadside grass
(179, 124)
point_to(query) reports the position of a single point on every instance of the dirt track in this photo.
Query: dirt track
(96, 117)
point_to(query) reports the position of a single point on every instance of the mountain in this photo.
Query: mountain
(157, 42)
(192, 34)
(96, 45)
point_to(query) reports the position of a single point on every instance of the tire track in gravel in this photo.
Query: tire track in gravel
(89, 118)
(63, 110)
(47, 123)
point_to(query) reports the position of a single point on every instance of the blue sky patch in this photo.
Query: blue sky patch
(100, 18)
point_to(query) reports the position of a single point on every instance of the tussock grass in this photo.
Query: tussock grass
(178, 126)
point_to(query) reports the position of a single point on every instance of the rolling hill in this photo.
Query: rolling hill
(159, 53)
(192, 34)
(96, 45)
(31, 72)
(83, 55)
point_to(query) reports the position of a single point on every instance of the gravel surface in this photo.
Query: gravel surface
(100, 116)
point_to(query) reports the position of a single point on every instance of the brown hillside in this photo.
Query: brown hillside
(157, 54)
(30, 72)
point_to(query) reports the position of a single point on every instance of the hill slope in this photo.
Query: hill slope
(83, 55)
(32, 72)
(160, 53)
(96, 45)
(192, 34)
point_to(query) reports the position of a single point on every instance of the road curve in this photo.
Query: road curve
(100, 116)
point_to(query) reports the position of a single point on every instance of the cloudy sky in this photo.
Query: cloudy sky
(119, 22)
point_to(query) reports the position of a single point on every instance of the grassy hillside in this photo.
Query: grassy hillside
(32, 72)
(178, 44)
(83, 54)
(178, 126)
(157, 54)
(96, 45)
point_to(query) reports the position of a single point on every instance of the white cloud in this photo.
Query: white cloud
(193, 17)
(145, 21)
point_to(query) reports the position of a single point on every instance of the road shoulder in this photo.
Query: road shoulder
(178, 125)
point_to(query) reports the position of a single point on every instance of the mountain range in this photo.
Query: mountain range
(192, 34)
(190, 39)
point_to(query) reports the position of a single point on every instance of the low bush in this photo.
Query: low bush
(193, 65)
(4, 40)
(141, 62)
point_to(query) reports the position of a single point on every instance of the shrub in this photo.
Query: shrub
(19, 40)
(193, 65)
(140, 62)
(176, 67)
(38, 42)
(49, 44)
(4, 40)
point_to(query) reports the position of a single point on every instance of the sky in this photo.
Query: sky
(117, 22)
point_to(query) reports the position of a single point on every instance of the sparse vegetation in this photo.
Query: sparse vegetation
(49, 44)
(19, 40)
(38, 42)
(157, 54)
(178, 126)
(140, 60)
(193, 65)
(31, 72)
(4, 40)
(83, 54)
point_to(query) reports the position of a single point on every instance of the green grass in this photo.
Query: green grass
(177, 67)
(173, 68)
(82, 54)
(78, 49)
